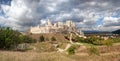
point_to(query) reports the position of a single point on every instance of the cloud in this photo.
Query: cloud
(108, 28)
(111, 21)
(22, 14)
(110, 24)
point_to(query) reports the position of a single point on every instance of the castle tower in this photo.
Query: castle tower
(68, 23)
(49, 23)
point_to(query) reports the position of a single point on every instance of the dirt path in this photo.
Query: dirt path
(111, 53)
(102, 54)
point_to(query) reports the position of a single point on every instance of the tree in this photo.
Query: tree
(9, 39)
(42, 38)
(26, 39)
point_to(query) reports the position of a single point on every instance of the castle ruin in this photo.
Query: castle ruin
(55, 27)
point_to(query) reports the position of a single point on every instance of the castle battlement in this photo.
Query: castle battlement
(53, 27)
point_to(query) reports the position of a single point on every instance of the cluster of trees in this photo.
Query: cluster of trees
(9, 39)
(95, 40)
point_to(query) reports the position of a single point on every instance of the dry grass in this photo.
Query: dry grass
(96, 58)
(32, 56)
(45, 51)
(54, 56)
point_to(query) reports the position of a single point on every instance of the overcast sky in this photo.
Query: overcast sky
(101, 15)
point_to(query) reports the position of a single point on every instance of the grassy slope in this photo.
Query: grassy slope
(55, 56)
(32, 56)
(59, 37)
(49, 55)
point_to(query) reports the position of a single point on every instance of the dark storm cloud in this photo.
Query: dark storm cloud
(80, 11)
(64, 6)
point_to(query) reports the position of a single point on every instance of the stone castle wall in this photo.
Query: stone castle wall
(53, 27)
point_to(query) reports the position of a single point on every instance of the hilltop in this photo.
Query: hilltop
(116, 31)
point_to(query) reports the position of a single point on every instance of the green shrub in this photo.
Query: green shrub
(98, 42)
(92, 40)
(116, 40)
(26, 39)
(9, 39)
(79, 39)
(71, 50)
(109, 42)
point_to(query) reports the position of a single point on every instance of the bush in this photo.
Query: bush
(94, 50)
(9, 39)
(79, 39)
(108, 42)
(116, 40)
(71, 50)
(42, 38)
(92, 40)
(26, 39)
(53, 39)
